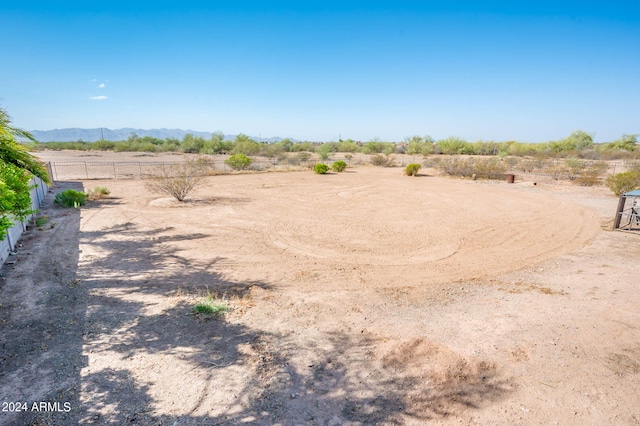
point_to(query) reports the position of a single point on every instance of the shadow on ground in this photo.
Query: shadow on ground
(109, 302)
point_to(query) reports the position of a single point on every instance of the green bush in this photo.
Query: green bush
(238, 161)
(71, 198)
(623, 182)
(339, 166)
(15, 201)
(320, 169)
(412, 169)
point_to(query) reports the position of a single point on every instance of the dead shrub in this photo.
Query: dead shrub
(555, 169)
(483, 168)
(178, 180)
(592, 174)
(382, 160)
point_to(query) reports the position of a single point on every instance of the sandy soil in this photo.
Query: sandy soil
(365, 297)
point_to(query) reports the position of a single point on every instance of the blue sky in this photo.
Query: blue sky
(531, 71)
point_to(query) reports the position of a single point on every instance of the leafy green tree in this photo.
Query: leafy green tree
(302, 146)
(454, 145)
(348, 145)
(324, 150)
(273, 151)
(12, 152)
(577, 140)
(192, 144)
(580, 140)
(243, 144)
(625, 143)
(217, 144)
(486, 148)
(17, 166)
(417, 145)
(103, 145)
(374, 146)
(286, 144)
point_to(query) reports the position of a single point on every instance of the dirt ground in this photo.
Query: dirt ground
(365, 297)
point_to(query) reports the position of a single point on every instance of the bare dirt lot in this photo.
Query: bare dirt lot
(365, 297)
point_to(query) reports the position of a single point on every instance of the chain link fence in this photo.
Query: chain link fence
(120, 170)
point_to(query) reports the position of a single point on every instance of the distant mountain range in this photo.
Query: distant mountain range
(92, 135)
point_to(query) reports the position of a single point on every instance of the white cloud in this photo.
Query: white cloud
(101, 85)
(98, 98)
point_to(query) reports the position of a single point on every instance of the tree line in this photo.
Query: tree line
(578, 144)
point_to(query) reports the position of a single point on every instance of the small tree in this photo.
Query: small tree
(17, 166)
(178, 180)
(238, 161)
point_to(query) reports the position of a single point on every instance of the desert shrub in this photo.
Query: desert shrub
(325, 150)
(412, 169)
(512, 162)
(490, 168)
(452, 166)
(375, 146)
(320, 169)
(238, 161)
(71, 198)
(98, 192)
(103, 145)
(431, 161)
(555, 169)
(573, 167)
(339, 166)
(623, 182)
(304, 156)
(486, 168)
(178, 180)
(486, 148)
(591, 174)
(301, 146)
(531, 164)
(382, 160)
(293, 161)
